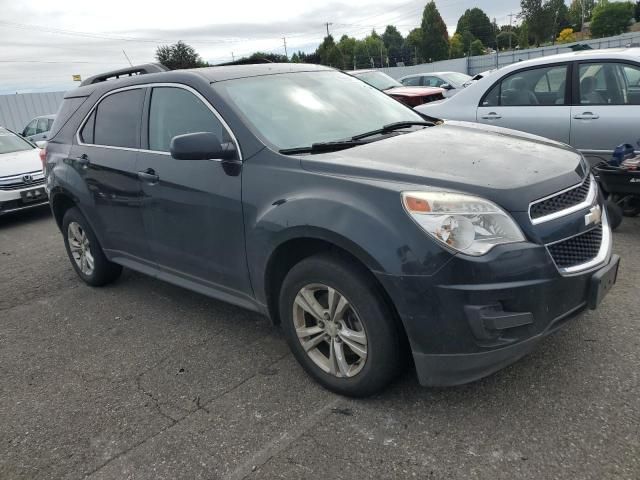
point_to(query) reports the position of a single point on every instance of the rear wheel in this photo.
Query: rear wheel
(630, 204)
(84, 251)
(338, 326)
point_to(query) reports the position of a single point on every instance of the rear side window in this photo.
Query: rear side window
(411, 82)
(175, 111)
(117, 119)
(89, 126)
(69, 107)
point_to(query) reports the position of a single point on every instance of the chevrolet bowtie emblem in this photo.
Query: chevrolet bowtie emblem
(594, 216)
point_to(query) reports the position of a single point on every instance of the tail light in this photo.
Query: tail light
(43, 157)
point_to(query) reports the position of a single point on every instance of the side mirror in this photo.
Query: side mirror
(201, 146)
(446, 86)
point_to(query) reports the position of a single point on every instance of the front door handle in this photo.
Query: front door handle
(587, 116)
(492, 116)
(149, 176)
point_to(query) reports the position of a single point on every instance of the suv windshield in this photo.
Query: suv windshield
(379, 80)
(294, 110)
(10, 142)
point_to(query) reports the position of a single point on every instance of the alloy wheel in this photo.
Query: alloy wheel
(80, 248)
(329, 330)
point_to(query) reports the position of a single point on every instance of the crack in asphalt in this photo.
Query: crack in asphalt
(173, 421)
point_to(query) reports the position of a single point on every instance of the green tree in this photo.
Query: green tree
(611, 18)
(269, 57)
(435, 39)
(523, 36)
(477, 48)
(476, 23)
(393, 41)
(329, 53)
(456, 46)
(637, 11)
(295, 58)
(575, 12)
(412, 47)
(537, 18)
(178, 56)
(558, 13)
(375, 49)
(506, 40)
(347, 46)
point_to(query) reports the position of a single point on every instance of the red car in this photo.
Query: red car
(411, 96)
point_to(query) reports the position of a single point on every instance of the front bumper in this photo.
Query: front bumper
(461, 331)
(12, 201)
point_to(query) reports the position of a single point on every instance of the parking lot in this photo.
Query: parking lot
(145, 380)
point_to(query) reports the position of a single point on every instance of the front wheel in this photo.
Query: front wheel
(339, 327)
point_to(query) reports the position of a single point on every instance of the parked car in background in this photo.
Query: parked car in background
(38, 128)
(452, 82)
(410, 96)
(21, 177)
(304, 194)
(588, 99)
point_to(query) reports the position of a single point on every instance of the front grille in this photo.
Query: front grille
(19, 185)
(577, 250)
(562, 201)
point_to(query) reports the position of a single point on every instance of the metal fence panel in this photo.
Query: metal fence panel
(454, 65)
(16, 110)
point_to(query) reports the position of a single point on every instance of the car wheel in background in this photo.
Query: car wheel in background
(339, 327)
(85, 252)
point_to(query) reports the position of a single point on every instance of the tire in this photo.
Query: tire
(366, 313)
(81, 243)
(614, 213)
(630, 204)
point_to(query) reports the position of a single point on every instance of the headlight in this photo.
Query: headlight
(465, 223)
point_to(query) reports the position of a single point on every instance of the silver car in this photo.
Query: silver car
(588, 99)
(38, 128)
(453, 82)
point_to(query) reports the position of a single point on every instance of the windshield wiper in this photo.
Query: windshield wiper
(391, 127)
(322, 147)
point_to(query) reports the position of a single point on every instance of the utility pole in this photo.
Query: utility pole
(355, 65)
(233, 59)
(326, 24)
(415, 55)
(127, 57)
(381, 60)
(582, 15)
(284, 39)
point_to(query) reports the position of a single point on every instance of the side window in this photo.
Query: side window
(117, 119)
(432, 82)
(539, 86)
(86, 134)
(175, 111)
(609, 84)
(30, 129)
(42, 126)
(411, 82)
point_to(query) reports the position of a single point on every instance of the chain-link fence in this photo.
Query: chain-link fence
(489, 62)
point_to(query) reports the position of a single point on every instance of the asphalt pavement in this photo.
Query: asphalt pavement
(145, 380)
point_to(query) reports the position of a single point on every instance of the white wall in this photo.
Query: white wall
(16, 110)
(455, 65)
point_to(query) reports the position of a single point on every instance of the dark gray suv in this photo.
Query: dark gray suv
(371, 234)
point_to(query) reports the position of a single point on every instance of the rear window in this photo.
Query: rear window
(117, 121)
(69, 107)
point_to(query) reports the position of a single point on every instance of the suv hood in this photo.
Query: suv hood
(508, 167)
(20, 162)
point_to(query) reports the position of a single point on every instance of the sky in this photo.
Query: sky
(42, 44)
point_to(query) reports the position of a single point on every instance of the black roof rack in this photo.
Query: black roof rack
(125, 72)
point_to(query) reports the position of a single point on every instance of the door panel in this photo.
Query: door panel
(606, 107)
(106, 158)
(550, 122)
(531, 100)
(193, 211)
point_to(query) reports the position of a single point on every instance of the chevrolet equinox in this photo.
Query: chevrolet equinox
(367, 231)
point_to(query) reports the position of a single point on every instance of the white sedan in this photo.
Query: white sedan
(21, 177)
(588, 99)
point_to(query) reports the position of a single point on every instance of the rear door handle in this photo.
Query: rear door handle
(149, 176)
(587, 116)
(492, 116)
(82, 160)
